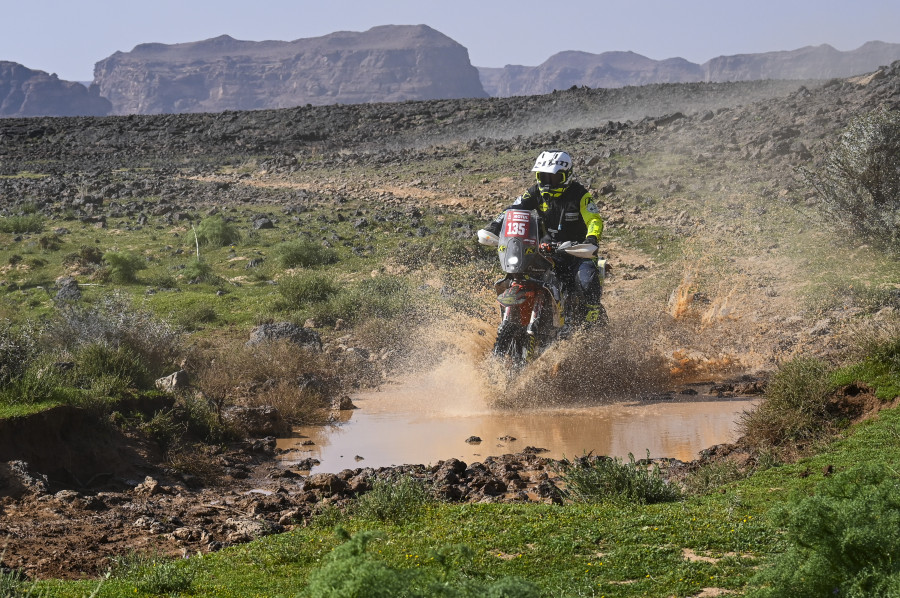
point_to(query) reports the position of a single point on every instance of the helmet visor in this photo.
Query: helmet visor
(551, 179)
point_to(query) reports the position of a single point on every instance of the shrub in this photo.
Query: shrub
(114, 322)
(17, 225)
(115, 370)
(215, 232)
(384, 297)
(40, 382)
(713, 475)
(844, 541)
(200, 271)
(859, 183)
(599, 479)
(300, 290)
(201, 419)
(393, 500)
(303, 254)
(795, 409)
(165, 429)
(15, 351)
(273, 373)
(124, 265)
(163, 280)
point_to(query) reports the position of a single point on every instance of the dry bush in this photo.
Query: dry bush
(198, 461)
(298, 382)
(872, 336)
(858, 184)
(295, 404)
(118, 324)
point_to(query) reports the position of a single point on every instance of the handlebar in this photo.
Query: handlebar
(582, 250)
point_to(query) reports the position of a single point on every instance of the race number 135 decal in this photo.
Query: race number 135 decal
(516, 229)
(517, 224)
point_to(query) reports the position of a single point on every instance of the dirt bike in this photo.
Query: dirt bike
(536, 308)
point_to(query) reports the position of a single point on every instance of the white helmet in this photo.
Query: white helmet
(553, 171)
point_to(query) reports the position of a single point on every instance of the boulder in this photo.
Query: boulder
(17, 478)
(257, 422)
(67, 289)
(305, 338)
(173, 382)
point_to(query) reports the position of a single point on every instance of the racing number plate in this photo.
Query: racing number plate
(518, 224)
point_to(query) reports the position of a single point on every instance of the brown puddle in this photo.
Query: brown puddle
(429, 419)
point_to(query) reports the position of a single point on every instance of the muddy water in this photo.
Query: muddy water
(430, 418)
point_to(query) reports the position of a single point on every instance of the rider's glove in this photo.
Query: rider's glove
(591, 240)
(546, 247)
(493, 227)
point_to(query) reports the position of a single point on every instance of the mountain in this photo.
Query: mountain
(565, 69)
(810, 62)
(620, 69)
(391, 63)
(26, 92)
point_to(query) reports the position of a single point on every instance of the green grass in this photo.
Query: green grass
(23, 409)
(880, 369)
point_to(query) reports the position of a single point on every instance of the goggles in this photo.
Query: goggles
(553, 179)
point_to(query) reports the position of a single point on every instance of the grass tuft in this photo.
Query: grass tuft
(393, 500)
(605, 479)
(124, 266)
(303, 254)
(795, 412)
(17, 225)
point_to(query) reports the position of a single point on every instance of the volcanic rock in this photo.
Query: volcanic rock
(303, 337)
(257, 422)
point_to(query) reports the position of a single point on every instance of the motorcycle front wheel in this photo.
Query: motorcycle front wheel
(514, 342)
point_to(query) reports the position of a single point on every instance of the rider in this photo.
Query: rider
(568, 213)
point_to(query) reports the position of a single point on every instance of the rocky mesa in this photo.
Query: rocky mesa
(384, 64)
(620, 69)
(27, 92)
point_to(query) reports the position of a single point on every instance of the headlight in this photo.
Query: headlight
(512, 261)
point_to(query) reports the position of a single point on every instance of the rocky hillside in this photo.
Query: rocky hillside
(26, 92)
(619, 69)
(384, 64)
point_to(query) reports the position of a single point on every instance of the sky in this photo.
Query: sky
(68, 37)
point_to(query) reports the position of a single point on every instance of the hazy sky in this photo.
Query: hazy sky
(68, 36)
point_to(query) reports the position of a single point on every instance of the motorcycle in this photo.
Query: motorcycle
(536, 308)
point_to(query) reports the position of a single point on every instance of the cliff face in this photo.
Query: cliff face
(811, 62)
(26, 92)
(565, 69)
(621, 69)
(384, 64)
